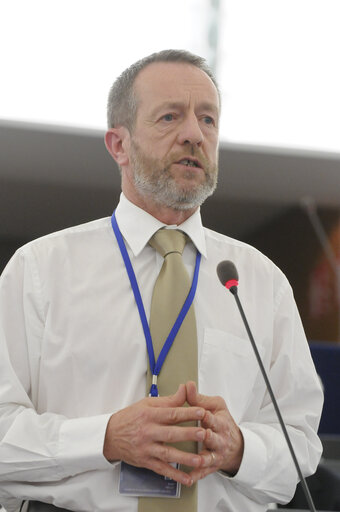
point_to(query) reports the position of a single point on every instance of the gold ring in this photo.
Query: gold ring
(213, 458)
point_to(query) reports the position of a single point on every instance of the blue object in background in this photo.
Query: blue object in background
(326, 357)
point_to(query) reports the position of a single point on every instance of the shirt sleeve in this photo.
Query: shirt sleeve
(35, 447)
(267, 472)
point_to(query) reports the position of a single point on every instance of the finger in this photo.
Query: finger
(191, 392)
(165, 469)
(210, 459)
(227, 447)
(196, 399)
(209, 420)
(211, 403)
(198, 474)
(217, 420)
(218, 442)
(176, 400)
(168, 454)
(175, 434)
(212, 440)
(174, 415)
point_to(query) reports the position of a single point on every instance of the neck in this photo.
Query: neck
(168, 215)
(162, 213)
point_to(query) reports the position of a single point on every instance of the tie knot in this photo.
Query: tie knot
(166, 241)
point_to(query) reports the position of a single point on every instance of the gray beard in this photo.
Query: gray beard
(163, 189)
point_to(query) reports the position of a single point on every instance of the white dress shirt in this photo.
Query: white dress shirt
(72, 352)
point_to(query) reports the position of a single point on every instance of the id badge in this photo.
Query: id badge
(135, 481)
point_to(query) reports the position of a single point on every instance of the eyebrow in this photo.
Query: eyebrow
(209, 107)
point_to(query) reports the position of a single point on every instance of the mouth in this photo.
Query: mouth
(190, 162)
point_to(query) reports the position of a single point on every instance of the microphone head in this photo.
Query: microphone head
(228, 275)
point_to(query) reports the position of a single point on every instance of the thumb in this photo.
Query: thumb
(176, 400)
(192, 394)
(194, 398)
(180, 397)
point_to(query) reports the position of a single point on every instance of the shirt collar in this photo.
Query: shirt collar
(137, 226)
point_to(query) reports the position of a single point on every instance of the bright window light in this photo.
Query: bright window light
(279, 73)
(59, 58)
(277, 61)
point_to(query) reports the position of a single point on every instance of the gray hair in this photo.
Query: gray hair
(122, 101)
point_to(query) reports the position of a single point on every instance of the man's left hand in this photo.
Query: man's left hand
(223, 445)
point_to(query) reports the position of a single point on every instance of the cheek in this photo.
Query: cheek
(163, 151)
(213, 150)
(153, 147)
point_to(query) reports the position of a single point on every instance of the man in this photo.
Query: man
(73, 353)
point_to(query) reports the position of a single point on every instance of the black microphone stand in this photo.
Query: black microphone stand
(233, 290)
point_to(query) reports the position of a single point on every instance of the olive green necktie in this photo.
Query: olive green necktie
(171, 289)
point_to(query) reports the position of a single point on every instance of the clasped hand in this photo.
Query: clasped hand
(143, 435)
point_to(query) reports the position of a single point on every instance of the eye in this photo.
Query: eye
(168, 117)
(209, 120)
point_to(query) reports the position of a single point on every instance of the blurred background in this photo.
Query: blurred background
(277, 62)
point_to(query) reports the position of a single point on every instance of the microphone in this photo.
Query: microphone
(228, 275)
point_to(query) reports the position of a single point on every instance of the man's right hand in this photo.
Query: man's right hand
(142, 434)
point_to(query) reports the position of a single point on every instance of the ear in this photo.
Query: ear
(117, 142)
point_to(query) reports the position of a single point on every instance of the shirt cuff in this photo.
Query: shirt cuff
(253, 462)
(81, 442)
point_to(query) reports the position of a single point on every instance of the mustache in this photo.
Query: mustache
(193, 152)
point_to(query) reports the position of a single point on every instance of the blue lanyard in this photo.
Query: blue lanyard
(155, 366)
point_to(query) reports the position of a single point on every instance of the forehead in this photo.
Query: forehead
(163, 82)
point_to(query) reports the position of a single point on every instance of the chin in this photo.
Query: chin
(187, 199)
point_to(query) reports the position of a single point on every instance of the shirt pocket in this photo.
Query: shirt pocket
(228, 368)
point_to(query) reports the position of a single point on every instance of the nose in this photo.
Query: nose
(190, 131)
